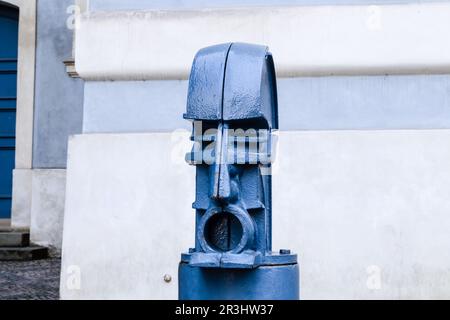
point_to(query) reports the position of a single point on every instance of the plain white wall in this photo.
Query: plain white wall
(305, 40)
(367, 211)
(47, 207)
(127, 216)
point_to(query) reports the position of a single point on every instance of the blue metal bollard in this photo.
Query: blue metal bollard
(232, 102)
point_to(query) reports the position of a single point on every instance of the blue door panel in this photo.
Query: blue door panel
(8, 89)
(8, 65)
(5, 208)
(7, 103)
(7, 144)
(8, 32)
(7, 123)
(6, 161)
(8, 84)
(7, 165)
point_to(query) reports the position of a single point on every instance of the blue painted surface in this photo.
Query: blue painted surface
(111, 5)
(8, 78)
(58, 108)
(233, 87)
(263, 283)
(206, 83)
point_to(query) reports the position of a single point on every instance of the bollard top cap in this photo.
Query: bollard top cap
(233, 82)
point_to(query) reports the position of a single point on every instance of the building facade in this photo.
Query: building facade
(92, 138)
(49, 109)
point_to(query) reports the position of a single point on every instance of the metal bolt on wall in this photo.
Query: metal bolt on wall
(232, 103)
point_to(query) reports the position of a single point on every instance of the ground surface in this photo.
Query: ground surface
(30, 280)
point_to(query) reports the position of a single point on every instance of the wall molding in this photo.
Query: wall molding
(305, 40)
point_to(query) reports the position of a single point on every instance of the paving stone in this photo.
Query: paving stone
(30, 280)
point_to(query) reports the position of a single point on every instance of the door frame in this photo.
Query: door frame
(21, 202)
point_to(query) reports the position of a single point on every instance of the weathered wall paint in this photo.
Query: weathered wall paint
(58, 98)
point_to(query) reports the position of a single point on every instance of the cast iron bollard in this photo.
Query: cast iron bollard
(232, 102)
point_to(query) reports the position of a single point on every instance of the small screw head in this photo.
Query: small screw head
(167, 278)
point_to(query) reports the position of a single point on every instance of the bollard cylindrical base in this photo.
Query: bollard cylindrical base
(277, 282)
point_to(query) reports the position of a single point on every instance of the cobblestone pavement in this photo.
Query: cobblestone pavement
(30, 280)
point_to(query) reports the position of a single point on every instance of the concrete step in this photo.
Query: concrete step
(14, 239)
(23, 253)
(10, 229)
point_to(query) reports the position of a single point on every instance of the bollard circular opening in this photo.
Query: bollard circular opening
(223, 232)
(229, 230)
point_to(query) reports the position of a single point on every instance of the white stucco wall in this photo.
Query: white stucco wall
(127, 217)
(361, 204)
(22, 192)
(47, 207)
(306, 40)
(367, 211)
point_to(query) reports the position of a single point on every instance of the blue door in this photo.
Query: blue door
(8, 79)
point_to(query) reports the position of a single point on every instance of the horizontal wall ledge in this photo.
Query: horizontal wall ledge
(305, 40)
